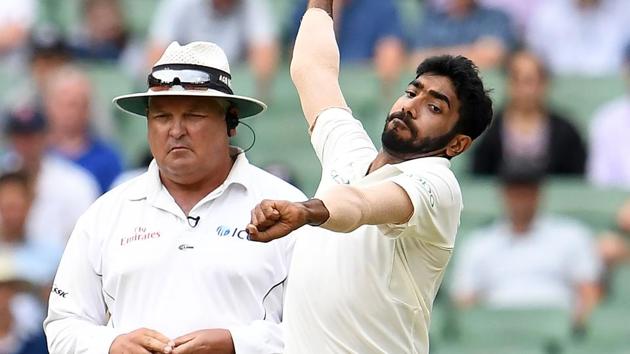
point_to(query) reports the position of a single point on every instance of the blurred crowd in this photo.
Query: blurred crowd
(58, 153)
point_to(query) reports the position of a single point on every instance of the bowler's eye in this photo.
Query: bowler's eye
(410, 94)
(434, 108)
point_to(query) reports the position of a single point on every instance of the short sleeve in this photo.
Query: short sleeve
(437, 206)
(602, 164)
(585, 264)
(467, 272)
(342, 145)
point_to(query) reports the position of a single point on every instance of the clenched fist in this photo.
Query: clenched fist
(272, 219)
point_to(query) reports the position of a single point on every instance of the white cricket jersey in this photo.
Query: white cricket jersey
(371, 290)
(134, 260)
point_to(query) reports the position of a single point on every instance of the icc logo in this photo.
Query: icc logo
(223, 230)
(226, 231)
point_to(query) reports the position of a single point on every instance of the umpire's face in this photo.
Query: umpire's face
(188, 138)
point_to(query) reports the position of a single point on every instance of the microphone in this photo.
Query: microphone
(192, 221)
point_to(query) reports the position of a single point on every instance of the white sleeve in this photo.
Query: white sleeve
(259, 24)
(77, 315)
(437, 207)
(585, 265)
(84, 192)
(266, 336)
(259, 337)
(601, 161)
(342, 145)
(467, 273)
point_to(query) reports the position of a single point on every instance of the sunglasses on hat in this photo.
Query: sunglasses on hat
(189, 77)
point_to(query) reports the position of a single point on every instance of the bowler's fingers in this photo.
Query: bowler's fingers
(264, 214)
(252, 231)
(274, 232)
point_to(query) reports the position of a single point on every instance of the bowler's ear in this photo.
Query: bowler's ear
(458, 144)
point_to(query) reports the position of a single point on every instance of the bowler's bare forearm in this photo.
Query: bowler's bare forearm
(315, 62)
(326, 5)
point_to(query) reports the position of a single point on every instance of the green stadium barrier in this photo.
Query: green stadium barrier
(542, 331)
(607, 329)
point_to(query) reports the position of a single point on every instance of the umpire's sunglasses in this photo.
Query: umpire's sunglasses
(189, 77)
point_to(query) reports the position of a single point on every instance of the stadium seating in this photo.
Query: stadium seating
(539, 331)
(281, 136)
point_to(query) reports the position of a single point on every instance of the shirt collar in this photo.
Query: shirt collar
(433, 160)
(388, 170)
(149, 184)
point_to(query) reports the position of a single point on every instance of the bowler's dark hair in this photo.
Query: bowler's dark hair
(475, 112)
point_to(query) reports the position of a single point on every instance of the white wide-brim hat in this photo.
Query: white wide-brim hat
(202, 55)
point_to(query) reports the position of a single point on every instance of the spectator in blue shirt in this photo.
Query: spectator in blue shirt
(67, 108)
(367, 30)
(464, 27)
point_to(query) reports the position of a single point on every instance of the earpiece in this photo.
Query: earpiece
(231, 118)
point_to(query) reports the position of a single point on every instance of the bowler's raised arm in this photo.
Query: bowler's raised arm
(315, 63)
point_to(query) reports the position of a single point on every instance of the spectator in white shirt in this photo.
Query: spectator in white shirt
(528, 258)
(579, 37)
(62, 190)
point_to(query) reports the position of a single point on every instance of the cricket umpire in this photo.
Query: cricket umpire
(162, 263)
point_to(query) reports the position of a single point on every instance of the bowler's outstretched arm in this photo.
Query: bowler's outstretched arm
(342, 208)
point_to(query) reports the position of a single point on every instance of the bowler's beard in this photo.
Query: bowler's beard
(394, 143)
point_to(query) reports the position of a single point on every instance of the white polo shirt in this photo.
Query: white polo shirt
(134, 260)
(371, 290)
(542, 267)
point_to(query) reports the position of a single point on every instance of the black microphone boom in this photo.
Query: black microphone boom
(193, 221)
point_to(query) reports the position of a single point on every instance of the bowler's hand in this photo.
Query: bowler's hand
(141, 341)
(272, 219)
(206, 341)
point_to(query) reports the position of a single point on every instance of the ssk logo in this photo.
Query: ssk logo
(226, 231)
(59, 292)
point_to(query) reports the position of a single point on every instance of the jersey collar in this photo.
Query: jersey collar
(149, 185)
